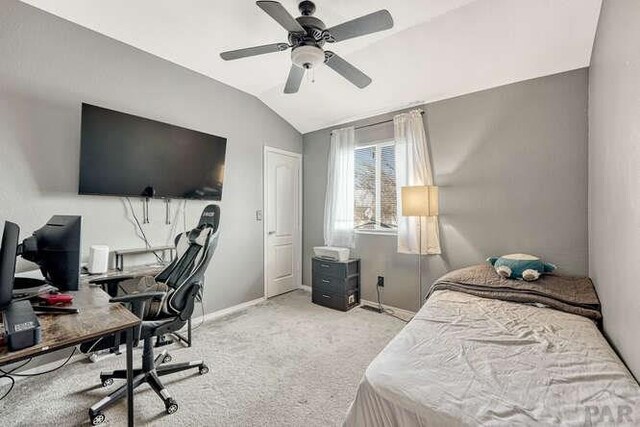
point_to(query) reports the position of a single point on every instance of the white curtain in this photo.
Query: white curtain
(338, 204)
(413, 167)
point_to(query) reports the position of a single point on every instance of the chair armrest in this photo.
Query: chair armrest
(142, 296)
(113, 279)
(136, 304)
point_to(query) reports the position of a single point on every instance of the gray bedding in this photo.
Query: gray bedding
(571, 294)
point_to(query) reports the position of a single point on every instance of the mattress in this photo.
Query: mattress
(466, 360)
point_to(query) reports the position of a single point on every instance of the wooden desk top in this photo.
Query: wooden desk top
(97, 317)
(136, 271)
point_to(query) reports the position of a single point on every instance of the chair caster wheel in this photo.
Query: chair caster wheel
(107, 382)
(204, 369)
(171, 406)
(97, 419)
(167, 358)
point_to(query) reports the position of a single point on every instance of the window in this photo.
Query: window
(375, 188)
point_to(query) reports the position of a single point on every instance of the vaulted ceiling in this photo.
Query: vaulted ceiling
(437, 49)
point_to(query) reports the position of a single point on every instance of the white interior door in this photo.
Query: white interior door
(283, 237)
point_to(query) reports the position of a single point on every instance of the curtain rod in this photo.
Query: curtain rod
(379, 123)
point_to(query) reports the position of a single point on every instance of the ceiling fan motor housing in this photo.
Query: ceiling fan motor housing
(307, 48)
(314, 31)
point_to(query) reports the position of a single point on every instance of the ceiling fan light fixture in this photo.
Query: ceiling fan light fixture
(307, 56)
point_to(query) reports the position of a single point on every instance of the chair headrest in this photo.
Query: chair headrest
(210, 217)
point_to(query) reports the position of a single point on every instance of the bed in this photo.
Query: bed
(470, 360)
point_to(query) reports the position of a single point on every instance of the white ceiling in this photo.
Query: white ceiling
(437, 49)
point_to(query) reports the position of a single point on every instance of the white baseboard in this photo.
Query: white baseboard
(399, 311)
(305, 288)
(226, 311)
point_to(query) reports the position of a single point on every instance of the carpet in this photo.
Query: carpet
(283, 362)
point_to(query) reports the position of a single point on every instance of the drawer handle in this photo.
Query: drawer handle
(326, 281)
(325, 265)
(326, 296)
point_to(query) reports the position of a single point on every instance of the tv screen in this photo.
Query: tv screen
(126, 155)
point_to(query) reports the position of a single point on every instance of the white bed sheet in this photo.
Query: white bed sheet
(465, 360)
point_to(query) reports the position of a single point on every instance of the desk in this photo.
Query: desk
(97, 318)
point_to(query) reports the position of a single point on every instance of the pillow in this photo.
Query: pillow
(520, 266)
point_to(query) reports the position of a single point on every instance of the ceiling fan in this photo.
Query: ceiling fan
(307, 36)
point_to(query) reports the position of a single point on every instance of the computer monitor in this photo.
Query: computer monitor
(8, 252)
(56, 249)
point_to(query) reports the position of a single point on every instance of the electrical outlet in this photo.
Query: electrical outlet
(381, 281)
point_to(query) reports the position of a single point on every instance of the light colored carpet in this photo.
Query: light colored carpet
(284, 362)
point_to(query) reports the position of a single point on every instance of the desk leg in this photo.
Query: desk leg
(130, 333)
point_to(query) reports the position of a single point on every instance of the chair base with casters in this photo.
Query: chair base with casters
(153, 367)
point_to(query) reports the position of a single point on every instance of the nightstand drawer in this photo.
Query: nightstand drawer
(334, 284)
(341, 270)
(329, 268)
(338, 302)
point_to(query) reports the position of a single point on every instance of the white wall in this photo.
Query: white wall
(614, 174)
(49, 66)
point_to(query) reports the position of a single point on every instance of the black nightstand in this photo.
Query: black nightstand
(335, 284)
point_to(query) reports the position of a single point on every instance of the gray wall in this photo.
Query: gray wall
(48, 66)
(511, 164)
(614, 174)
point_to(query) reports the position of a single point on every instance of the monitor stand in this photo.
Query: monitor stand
(28, 282)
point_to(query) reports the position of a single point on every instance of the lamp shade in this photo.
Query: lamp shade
(420, 200)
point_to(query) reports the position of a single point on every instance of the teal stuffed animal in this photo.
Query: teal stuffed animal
(520, 266)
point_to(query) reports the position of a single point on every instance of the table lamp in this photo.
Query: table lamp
(420, 201)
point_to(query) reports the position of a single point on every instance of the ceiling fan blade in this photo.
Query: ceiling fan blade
(280, 14)
(253, 51)
(347, 70)
(367, 24)
(295, 78)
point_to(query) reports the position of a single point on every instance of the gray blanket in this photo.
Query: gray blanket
(571, 294)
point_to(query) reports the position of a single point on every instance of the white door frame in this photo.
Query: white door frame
(265, 221)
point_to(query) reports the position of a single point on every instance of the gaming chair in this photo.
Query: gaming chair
(164, 303)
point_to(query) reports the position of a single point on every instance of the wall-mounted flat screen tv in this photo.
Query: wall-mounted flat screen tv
(125, 155)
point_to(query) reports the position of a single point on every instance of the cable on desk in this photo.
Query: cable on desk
(93, 345)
